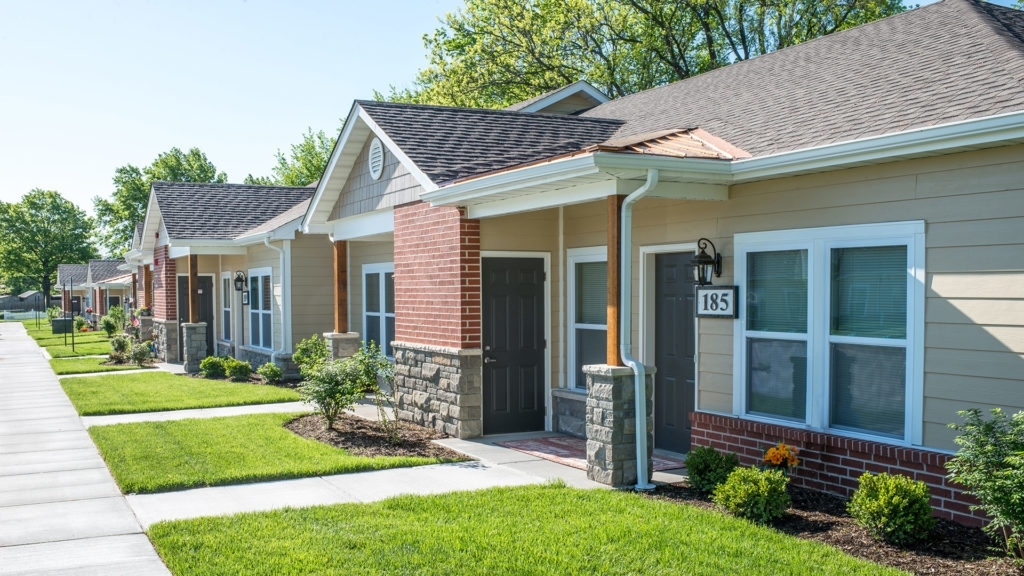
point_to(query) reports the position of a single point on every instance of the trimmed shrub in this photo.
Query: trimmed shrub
(310, 354)
(51, 312)
(141, 353)
(108, 325)
(121, 343)
(79, 323)
(707, 467)
(990, 465)
(238, 370)
(333, 388)
(757, 495)
(213, 367)
(118, 315)
(270, 372)
(892, 507)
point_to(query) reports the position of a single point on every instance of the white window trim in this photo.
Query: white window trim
(818, 242)
(576, 256)
(230, 308)
(378, 268)
(260, 272)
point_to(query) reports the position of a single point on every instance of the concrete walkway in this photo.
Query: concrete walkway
(60, 510)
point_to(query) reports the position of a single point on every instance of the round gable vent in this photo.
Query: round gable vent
(376, 158)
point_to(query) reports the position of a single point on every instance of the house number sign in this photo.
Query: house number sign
(717, 302)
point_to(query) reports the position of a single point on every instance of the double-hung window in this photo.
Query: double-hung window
(588, 311)
(830, 336)
(226, 290)
(379, 305)
(261, 296)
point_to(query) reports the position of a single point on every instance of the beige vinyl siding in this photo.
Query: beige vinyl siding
(312, 286)
(361, 193)
(533, 232)
(259, 256)
(360, 253)
(973, 206)
(231, 264)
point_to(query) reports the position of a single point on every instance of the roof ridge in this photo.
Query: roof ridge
(222, 184)
(502, 111)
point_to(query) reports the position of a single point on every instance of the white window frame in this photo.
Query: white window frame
(254, 274)
(380, 268)
(576, 256)
(818, 242)
(227, 301)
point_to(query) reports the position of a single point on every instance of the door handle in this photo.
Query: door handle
(488, 360)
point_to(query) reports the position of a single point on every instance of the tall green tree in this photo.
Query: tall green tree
(303, 166)
(493, 53)
(118, 215)
(41, 231)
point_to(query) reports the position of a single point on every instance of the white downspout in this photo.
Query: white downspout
(285, 307)
(626, 328)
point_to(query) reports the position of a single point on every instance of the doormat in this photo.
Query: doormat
(572, 451)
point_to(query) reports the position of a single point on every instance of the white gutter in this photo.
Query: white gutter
(285, 305)
(626, 328)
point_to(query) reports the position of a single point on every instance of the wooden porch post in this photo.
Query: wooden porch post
(614, 245)
(340, 287)
(135, 289)
(193, 289)
(147, 287)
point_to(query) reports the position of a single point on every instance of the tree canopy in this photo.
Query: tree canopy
(493, 53)
(305, 164)
(118, 215)
(36, 234)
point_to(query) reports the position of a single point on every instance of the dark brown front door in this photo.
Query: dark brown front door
(205, 311)
(513, 341)
(674, 350)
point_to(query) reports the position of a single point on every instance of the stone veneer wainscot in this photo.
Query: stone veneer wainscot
(439, 388)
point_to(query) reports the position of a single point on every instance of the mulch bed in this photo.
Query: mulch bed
(950, 549)
(362, 437)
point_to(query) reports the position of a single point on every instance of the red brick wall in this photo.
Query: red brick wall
(437, 276)
(830, 463)
(165, 276)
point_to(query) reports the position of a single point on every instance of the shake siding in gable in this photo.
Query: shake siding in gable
(362, 193)
(973, 206)
(312, 293)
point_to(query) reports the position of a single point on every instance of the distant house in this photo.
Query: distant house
(71, 279)
(863, 189)
(232, 257)
(109, 285)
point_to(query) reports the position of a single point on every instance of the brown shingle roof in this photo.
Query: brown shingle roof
(203, 211)
(949, 61)
(452, 143)
(68, 273)
(100, 270)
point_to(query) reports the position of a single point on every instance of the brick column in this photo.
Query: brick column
(611, 425)
(165, 302)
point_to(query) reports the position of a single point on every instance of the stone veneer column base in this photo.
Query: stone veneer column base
(439, 388)
(611, 425)
(342, 344)
(195, 346)
(165, 333)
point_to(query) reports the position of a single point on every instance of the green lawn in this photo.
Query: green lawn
(162, 456)
(530, 530)
(63, 366)
(158, 391)
(80, 349)
(48, 339)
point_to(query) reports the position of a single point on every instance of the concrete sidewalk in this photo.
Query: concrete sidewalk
(60, 510)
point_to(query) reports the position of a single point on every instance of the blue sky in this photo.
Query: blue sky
(86, 87)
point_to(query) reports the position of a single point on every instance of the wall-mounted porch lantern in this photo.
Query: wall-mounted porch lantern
(240, 281)
(704, 265)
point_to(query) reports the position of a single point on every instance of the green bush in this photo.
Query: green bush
(121, 343)
(332, 388)
(213, 367)
(51, 312)
(141, 353)
(79, 323)
(755, 494)
(892, 507)
(372, 365)
(270, 372)
(310, 354)
(707, 467)
(238, 370)
(990, 465)
(117, 313)
(108, 325)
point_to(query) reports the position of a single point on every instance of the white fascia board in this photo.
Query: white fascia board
(678, 169)
(538, 174)
(325, 178)
(411, 166)
(363, 225)
(566, 92)
(206, 247)
(149, 223)
(547, 199)
(946, 138)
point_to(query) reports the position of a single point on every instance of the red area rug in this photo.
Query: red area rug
(572, 451)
